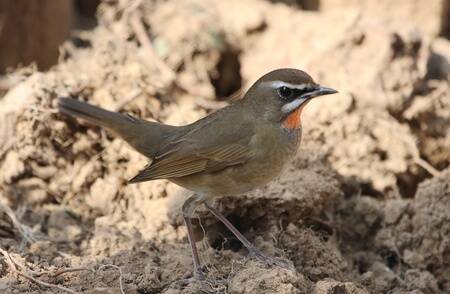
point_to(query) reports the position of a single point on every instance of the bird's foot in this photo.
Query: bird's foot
(270, 261)
(199, 275)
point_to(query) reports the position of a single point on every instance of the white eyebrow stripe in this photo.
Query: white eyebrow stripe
(278, 84)
(288, 107)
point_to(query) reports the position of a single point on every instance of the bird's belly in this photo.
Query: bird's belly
(232, 180)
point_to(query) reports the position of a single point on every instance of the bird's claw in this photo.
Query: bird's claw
(199, 275)
(270, 261)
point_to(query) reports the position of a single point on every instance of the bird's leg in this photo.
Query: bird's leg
(188, 210)
(253, 251)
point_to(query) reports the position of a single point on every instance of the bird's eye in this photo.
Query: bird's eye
(285, 92)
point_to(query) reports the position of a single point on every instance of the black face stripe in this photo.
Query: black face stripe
(299, 92)
(288, 94)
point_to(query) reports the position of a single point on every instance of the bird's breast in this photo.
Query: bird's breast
(293, 120)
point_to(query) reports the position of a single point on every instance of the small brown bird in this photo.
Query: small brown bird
(232, 151)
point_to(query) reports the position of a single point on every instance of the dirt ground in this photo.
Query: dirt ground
(364, 208)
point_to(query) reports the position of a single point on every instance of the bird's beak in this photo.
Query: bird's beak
(302, 99)
(319, 91)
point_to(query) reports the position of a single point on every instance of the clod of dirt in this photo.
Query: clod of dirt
(63, 227)
(302, 49)
(421, 280)
(197, 48)
(429, 17)
(330, 286)
(363, 215)
(379, 278)
(378, 56)
(370, 146)
(429, 117)
(419, 235)
(255, 279)
(314, 257)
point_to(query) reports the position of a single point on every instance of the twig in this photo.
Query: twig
(426, 166)
(10, 262)
(120, 274)
(120, 104)
(131, 7)
(71, 270)
(24, 231)
(13, 264)
(24, 268)
(79, 269)
(64, 271)
(210, 104)
(143, 38)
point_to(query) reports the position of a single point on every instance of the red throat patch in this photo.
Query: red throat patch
(293, 120)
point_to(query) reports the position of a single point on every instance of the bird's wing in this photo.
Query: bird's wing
(206, 147)
(174, 165)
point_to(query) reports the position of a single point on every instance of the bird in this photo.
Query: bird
(239, 148)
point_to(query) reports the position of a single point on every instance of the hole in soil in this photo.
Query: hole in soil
(320, 226)
(85, 14)
(149, 290)
(390, 258)
(368, 189)
(407, 184)
(227, 79)
(311, 5)
(339, 289)
(355, 186)
(445, 27)
(436, 66)
(81, 43)
(381, 154)
(221, 238)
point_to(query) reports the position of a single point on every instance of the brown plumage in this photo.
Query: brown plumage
(232, 151)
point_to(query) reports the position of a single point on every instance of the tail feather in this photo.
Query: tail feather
(94, 114)
(145, 136)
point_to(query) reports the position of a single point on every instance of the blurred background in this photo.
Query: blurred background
(364, 208)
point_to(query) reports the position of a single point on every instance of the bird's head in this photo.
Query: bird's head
(280, 95)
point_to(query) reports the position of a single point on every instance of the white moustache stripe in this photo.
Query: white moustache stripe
(278, 84)
(288, 107)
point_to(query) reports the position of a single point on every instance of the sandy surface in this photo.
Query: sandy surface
(364, 208)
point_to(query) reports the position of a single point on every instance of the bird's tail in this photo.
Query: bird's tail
(94, 114)
(145, 136)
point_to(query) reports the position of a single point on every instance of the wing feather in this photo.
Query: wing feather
(213, 160)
